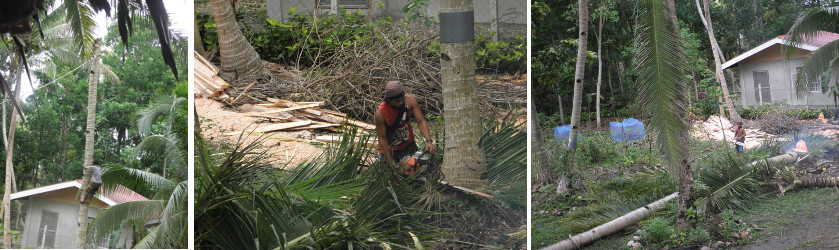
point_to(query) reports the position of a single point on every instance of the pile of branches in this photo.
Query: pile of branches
(350, 80)
(778, 122)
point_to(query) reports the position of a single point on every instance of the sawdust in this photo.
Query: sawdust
(719, 128)
(216, 120)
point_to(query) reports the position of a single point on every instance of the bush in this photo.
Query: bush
(697, 236)
(658, 230)
(500, 56)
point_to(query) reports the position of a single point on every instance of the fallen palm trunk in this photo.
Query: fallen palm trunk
(577, 241)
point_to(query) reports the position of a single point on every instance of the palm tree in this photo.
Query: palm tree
(167, 204)
(719, 59)
(464, 163)
(822, 60)
(660, 65)
(170, 144)
(579, 74)
(238, 58)
(89, 134)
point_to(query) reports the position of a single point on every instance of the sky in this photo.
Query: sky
(180, 20)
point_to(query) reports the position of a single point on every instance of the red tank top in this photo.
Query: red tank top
(400, 133)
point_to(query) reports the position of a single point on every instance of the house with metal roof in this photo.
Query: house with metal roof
(53, 212)
(767, 76)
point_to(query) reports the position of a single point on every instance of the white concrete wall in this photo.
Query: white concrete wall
(67, 222)
(509, 11)
(781, 83)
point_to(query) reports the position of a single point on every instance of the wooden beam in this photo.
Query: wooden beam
(286, 109)
(274, 127)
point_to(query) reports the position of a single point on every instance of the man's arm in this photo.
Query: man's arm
(423, 126)
(381, 133)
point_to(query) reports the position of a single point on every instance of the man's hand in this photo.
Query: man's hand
(429, 147)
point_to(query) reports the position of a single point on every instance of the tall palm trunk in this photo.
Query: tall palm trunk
(88, 142)
(718, 60)
(578, 82)
(7, 239)
(463, 158)
(599, 61)
(238, 58)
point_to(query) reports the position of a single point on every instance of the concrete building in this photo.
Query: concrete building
(766, 76)
(52, 214)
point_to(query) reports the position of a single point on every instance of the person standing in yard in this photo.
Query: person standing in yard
(739, 137)
(95, 181)
(393, 127)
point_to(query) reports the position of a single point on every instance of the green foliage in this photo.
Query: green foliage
(697, 236)
(415, 9)
(658, 230)
(729, 224)
(500, 56)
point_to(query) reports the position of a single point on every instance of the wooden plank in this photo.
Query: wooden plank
(335, 113)
(359, 124)
(315, 126)
(221, 82)
(294, 104)
(205, 63)
(206, 82)
(286, 109)
(206, 92)
(274, 127)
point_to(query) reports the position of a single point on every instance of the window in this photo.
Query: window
(46, 231)
(814, 84)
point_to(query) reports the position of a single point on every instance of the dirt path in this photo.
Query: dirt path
(808, 219)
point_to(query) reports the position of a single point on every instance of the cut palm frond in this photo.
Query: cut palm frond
(660, 62)
(728, 183)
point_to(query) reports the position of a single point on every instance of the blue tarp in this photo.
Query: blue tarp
(630, 129)
(561, 134)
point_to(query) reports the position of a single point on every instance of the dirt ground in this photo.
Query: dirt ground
(216, 120)
(789, 225)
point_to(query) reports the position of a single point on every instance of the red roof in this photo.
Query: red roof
(121, 194)
(821, 38)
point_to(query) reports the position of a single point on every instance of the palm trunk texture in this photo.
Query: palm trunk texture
(579, 74)
(238, 58)
(7, 236)
(577, 241)
(599, 65)
(463, 158)
(81, 235)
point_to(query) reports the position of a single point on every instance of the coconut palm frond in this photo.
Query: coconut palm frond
(80, 17)
(142, 182)
(343, 161)
(659, 62)
(505, 147)
(148, 241)
(818, 63)
(111, 219)
(165, 147)
(728, 183)
(109, 74)
(161, 105)
(809, 23)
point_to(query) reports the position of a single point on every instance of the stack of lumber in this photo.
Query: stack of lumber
(288, 115)
(207, 83)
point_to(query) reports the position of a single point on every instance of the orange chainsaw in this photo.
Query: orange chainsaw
(415, 164)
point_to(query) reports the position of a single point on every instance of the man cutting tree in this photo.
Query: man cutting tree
(395, 133)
